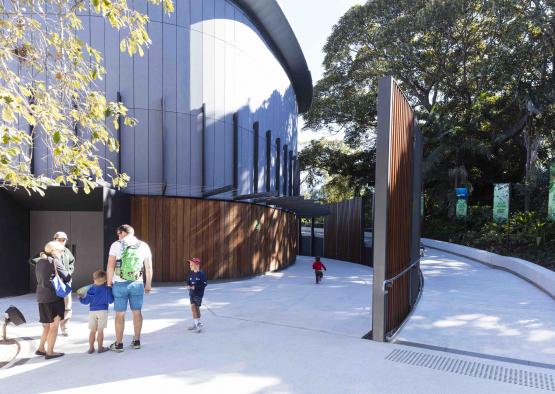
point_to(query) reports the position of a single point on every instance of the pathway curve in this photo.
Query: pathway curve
(274, 333)
(470, 306)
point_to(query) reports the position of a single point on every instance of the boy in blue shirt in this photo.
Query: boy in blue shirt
(99, 296)
(196, 284)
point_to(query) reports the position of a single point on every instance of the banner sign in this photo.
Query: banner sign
(461, 192)
(501, 202)
(462, 208)
(551, 202)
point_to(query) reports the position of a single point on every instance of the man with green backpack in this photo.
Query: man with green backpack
(129, 259)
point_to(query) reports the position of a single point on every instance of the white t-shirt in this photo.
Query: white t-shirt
(117, 247)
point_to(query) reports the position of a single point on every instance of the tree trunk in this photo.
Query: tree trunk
(531, 144)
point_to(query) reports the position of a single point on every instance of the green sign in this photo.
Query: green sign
(501, 202)
(462, 208)
(551, 203)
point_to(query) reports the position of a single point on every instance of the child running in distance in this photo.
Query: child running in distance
(317, 266)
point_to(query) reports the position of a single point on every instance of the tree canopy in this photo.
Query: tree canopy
(48, 90)
(480, 74)
(346, 172)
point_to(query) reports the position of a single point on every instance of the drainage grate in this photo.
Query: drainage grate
(475, 369)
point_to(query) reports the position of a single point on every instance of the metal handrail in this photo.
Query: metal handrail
(393, 333)
(387, 283)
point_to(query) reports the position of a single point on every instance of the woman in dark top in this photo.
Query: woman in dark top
(51, 307)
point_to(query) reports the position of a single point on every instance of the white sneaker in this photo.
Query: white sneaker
(199, 328)
(191, 328)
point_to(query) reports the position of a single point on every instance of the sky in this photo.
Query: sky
(312, 22)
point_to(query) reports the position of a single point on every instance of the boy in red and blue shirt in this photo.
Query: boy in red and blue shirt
(196, 284)
(98, 297)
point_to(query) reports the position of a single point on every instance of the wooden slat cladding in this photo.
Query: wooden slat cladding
(234, 240)
(343, 231)
(399, 209)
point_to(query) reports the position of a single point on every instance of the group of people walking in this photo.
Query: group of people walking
(127, 279)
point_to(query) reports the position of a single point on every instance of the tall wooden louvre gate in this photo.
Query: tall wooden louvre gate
(397, 277)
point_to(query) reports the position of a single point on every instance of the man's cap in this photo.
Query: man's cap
(194, 260)
(60, 234)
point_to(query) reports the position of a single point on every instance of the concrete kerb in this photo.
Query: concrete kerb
(540, 277)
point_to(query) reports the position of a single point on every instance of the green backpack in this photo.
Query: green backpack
(131, 267)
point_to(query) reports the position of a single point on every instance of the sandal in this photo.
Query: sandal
(53, 355)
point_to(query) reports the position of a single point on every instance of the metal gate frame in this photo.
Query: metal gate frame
(388, 310)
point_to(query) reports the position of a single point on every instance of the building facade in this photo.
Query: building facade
(216, 97)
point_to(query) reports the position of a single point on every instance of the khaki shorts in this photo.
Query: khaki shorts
(98, 320)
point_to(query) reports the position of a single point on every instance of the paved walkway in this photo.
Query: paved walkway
(274, 333)
(469, 306)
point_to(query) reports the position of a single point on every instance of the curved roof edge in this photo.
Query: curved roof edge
(271, 22)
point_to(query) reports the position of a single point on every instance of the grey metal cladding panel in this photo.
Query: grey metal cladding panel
(170, 152)
(141, 6)
(229, 27)
(155, 66)
(183, 12)
(228, 152)
(208, 13)
(23, 126)
(97, 42)
(111, 56)
(140, 80)
(170, 18)
(196, 71)
(85, 11)
(141, 156)
(170, 67)
(245, 159)
(196, 153)
(219, 19)
(126, 86)
(183, 154)
(85, 33)
(111, 156)
(230, 102)
(244, 118)
(182, 73)
(155, 153)
(127, 150)
(219, 80)
(262, 160)
(208, 74)
(155, 12)
(209, 150)
(41, 153)
(196, 15)
(220, 161)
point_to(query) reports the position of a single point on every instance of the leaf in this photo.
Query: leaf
(8, 115)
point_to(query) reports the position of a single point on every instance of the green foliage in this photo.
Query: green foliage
(479, 73)
(345, 172)
(39, 42)
(526, 235)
